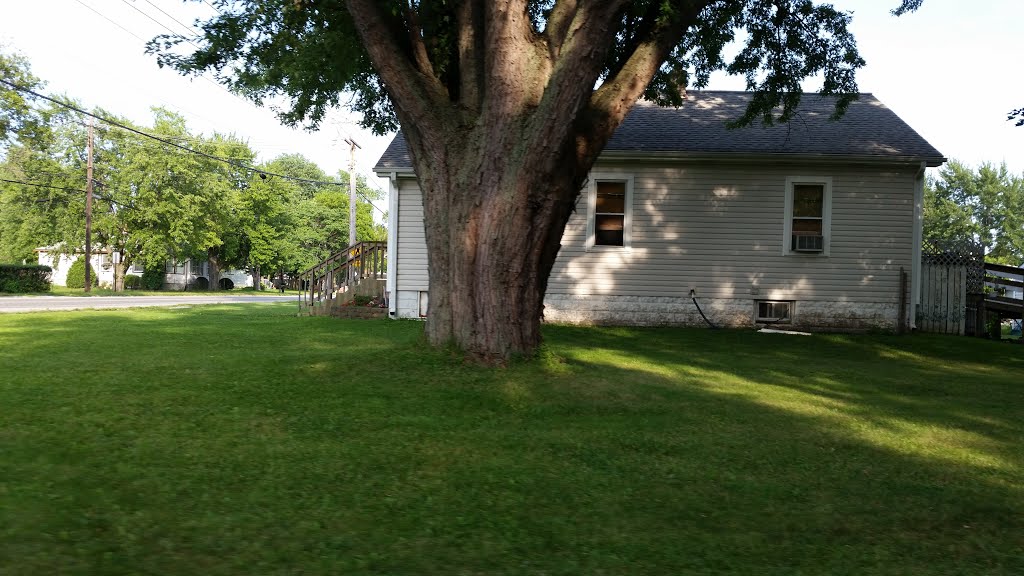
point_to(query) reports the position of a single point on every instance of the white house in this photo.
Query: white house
(807, 223)
(102, 265)
(178, 275)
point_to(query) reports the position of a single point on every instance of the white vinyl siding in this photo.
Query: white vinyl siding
(715, 227)
(412, 243)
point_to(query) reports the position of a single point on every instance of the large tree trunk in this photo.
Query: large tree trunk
(211, 256)
(501, 149)
(119, 270)
(502, 210)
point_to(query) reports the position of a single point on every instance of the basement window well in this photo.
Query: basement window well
(773, 311)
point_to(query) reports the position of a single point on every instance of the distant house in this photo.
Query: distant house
(178, 275)
(807, 223)
(102, 265)
(195, 274)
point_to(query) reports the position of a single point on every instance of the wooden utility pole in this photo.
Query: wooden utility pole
(88, 212)
(352, 190)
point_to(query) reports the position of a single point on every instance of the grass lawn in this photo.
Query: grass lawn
(221, 440)
(65, 291)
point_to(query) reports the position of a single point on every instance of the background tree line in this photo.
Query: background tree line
(154, 202)
(985, 205)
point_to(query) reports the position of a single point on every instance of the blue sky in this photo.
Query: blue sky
(951, 71)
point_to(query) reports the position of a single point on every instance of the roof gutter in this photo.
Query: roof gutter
(393, 172)
(917, 239)
(391, 284)
(745, 157)
(725, 157)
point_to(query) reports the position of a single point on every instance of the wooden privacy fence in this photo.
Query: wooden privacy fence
(952, 288)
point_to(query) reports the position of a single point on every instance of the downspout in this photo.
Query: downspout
(392, 280)
(918, 238)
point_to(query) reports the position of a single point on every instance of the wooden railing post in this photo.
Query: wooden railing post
(341, 269)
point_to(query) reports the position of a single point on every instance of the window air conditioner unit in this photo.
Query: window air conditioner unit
(806, 243)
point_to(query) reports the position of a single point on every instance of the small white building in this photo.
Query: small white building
(102, 265)
(178, 275)
(808, 223)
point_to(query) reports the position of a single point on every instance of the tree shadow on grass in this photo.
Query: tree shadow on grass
(622, 451)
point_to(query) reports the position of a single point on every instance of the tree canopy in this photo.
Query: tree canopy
(317, 55)
(985, 205)
(152, 199)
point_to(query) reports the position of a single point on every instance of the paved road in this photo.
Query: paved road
(35, 303)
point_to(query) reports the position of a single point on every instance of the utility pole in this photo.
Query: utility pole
(352, 190)
(88, 212)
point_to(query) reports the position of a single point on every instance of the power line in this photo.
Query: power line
(188, 28)
(41, 185)
(218, 85)
(229, 161)
(144, 41)
(166, 141)
(101, 15)
(159, 23)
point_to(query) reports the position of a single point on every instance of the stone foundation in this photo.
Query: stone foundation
(725, 312)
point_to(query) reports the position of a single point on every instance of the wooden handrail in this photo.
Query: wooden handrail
(323, 280)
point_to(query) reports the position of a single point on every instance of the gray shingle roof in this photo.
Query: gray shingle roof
(868, 130)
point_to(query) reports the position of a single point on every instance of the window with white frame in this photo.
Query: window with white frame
(136, 268)
(808, 215)
(174, 266)
(199, 268)
(773, 311)
(609, 210)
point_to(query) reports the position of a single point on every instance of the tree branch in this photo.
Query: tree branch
(562, 15)
(470, 17)
(582, 53)
(419, 49)
(418, 96)
(610, 103)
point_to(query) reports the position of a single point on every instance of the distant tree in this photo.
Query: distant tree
(1017, 115)
(18, 117)
(76, 275)
(50, 213)
(176, 204)
(986, 205)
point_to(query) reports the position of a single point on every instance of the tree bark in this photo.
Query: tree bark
(119, 269)
(211, 256)
(501, 165)
(498, 218)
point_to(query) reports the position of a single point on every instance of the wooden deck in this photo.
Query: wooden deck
(1001, 280)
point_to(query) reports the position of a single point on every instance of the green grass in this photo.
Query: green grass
(65, 291)
(244, 440)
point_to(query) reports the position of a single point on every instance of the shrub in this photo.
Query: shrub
(153, 279)
(76, 275)
(21, 278)
(132, 281)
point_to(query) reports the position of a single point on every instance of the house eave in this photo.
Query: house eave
(394, 171)
(725, 157)
(733, 157)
